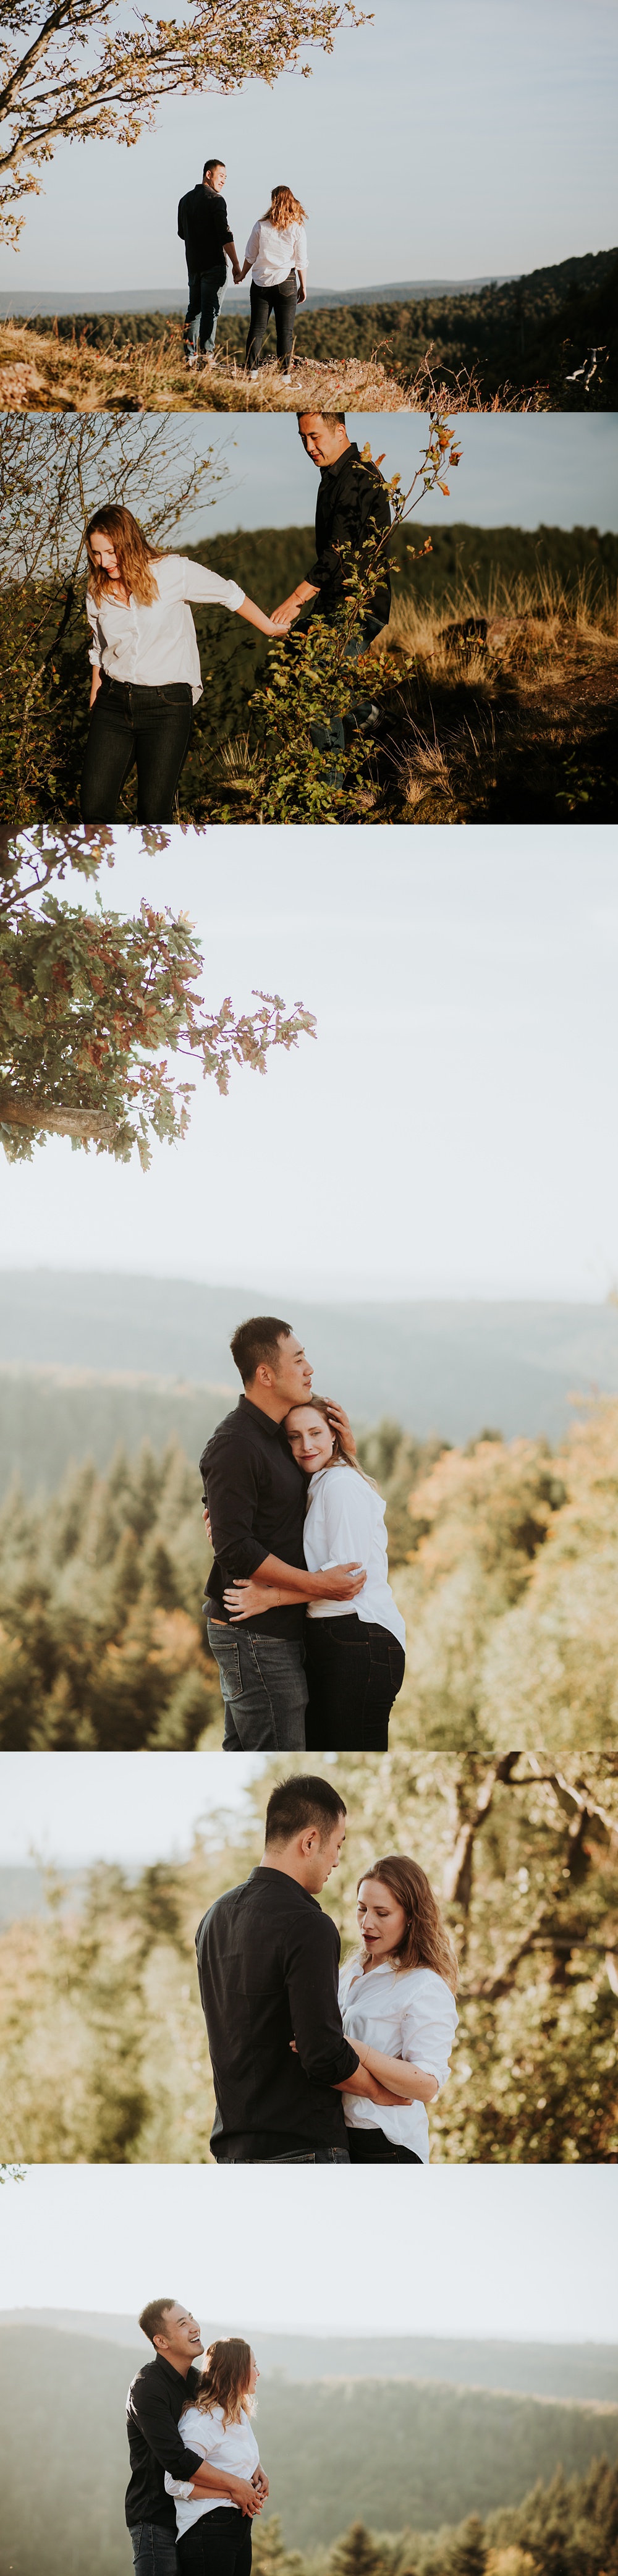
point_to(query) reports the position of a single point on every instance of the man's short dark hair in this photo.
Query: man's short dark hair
(256, 1343)
(331, 419)
(153, 2317)
(298, 1803)
(215, 164)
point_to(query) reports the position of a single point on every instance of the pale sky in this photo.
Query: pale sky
(59, 1808)
(541, 469)
(475, 142)
(523, 2251)
(451, 1133)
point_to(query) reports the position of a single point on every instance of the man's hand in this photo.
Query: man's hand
(249, 2497)
(340, 1422)
(236, 274)
(341, 1582)
(291, 608)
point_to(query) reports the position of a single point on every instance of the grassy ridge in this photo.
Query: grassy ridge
(535, 327)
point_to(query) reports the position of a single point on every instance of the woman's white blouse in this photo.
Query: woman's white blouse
(405, 2012)
(235, 2448)
(156, 643)
(345, 1520)
(272, 252)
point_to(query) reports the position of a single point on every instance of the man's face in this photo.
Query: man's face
(322, 440)
(293, 1375)
(216, 178)
(325, 1856)
(181, 2340)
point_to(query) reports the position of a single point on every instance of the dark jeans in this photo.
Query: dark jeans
(264, 1689)
(127, 724)
(354, 1671)
(331, 735)
(154, 2549)
(218, 2545)
(206, 293)
(370, 2147)
(304, 2156)
(280, 300)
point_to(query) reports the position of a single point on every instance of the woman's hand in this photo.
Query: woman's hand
(257, 617)
(245, 1597)
(95, 683)
(206, 1521)
(260, 2482)
(249, 2498)
(340, 1422)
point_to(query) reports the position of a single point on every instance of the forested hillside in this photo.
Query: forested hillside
(104, 2058)
(400, 2456)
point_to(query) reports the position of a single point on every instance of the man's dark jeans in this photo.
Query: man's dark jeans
(206, 293)
(280, 300)
(332, 734)
(264, 1689)
(371, 2147)
(154, 2549)
(127, 724)
(219, 2544)
(300, 2156)
(354, 1671)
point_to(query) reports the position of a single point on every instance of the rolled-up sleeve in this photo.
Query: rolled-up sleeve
(201, 583)
(428, 2029)
(311, 1969)
(232, 1492)
(253, 245)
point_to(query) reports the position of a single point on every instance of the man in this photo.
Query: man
(154, 2404)
(352, 505)
(267, 1963)
(203, 227)
(255, 1495)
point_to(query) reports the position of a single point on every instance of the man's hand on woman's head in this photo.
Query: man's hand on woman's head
(206, 1521)
(340, 1422)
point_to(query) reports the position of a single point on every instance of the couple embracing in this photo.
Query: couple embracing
(196, 2479)
(313, 2063)
(301, 1618)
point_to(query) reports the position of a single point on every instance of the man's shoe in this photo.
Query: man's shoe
(191, 357)
(253, 375)
(287, 377)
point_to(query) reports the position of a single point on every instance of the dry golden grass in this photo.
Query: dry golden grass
(41, 372)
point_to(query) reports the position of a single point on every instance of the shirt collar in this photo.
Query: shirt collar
(176, 2375)
(265, 1419)
(351, 455)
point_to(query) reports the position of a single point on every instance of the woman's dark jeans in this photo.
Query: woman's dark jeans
(370, 2147)
(149, 726)
(218, 2545)
(280, 300)
(354, 1671)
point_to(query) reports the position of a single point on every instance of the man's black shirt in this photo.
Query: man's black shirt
(203, 227)
(154, 2404)
(352, 502)
(256, 1498)
(267, 1964)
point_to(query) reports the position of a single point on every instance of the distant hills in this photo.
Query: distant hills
(394, 2453)
(122, 1356)
(580, 2372)
(173, 299)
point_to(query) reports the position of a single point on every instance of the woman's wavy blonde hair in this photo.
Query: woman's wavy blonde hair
(134, 555)
(225, 2380)
(317, 1404)
(284, 209)
(425, 1942)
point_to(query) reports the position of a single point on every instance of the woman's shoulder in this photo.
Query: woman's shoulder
(193, 2415)
(427, 1981)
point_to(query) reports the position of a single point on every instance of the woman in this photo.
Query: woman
(146, 671)
(277, 254)
(355, 1658)
(398, 2010)
(214, 2530)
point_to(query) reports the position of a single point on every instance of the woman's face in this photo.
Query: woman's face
(380, 1919)
(253, 2377)
(310, 1439)
(103, 554)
